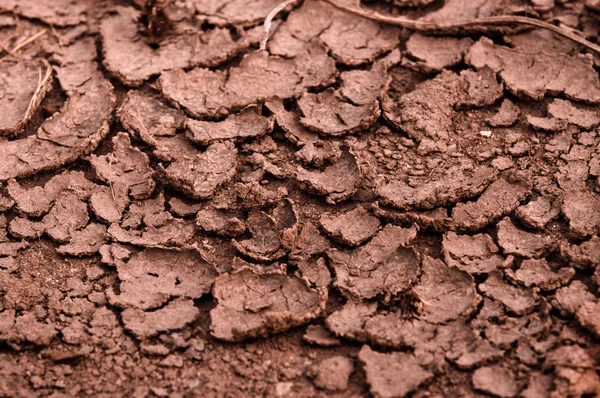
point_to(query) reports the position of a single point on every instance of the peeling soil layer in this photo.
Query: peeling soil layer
(358, 210)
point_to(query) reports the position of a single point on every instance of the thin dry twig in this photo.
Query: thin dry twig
(39, 92)
(269, 20)
(467, 25)
(28, 41)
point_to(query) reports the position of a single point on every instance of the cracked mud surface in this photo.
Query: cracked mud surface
(359, 210)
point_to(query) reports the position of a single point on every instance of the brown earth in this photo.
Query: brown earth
(359, 210)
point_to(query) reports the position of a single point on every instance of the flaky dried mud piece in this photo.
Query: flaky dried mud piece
(475, 254)
(199, 175)
(445, 293)
(382, 372)
(496, 380)
(582, 210)
(153, 277)
(352, 228)
(259, 77)
(565, 110)
(507, 115)
(588, 316)
(546, 124)
(499, 199)
(519, 242)
(584, 255)
(125, 166)
(265, 244)
(567, 300)
(318, 335)
(174, 316)
(574, 371)
(246, 124)
(385, 266)
(173, 233)
(149, 118)
(219, 222)
(85, 242)
(235, 12)
(37, 201)
(289, 122)
(539, 212)
(337, 181)
(436, 220)
(250, 305)
(23, 89)
(437, 53)
(129, 57)
(517, 300)
(537, 272)
(149, 213)
(478, 89)
(54, 12)
(573, 76)
(67, 135)
(456, 184)
(354, 40)
(309, 242)
(25, 329)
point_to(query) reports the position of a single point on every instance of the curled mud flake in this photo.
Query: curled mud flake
(25, 329)
(436, 53)
(588, 316)
(250, 305)
(384, 266)
(220, 222)
(574, 371)
(289, 122)
(149, 118)
(546, 124)
(507, 115)
(24, 86)
(497, 381)
(517, 300)
(475, 254)
(246, 124)
(77, 71)
(286, 220)
(265, 244)
(174, 316)
(315, 272)
(129, 57)
(539, 212)
(67, 135)
(153, 277)
(436, 220)
(199, 176)
(565, 110)
(37, 201)
(332, 374)
(108, 204)
(147, 213)
(11, 249)
(259, 77)
(86, 242)
(520, 242)
(329, 114)
(352, 228)
(455, 184)
(6, 203)
(318, 335)
(426, 111)
(173, 233)
(235, 12)
(68, 215)
(53, 12)
(125, 166)
(478, 89)
(319, 153)
(582, 210)
(338, 181)
(309, 243)
(114, 254)
(180, 208)
(499, 199)
(567, 300)
(584, 255)
(353, 40)
(573, 76)
(445, 293)
(538, 273)
(383, 369)
(539, 385)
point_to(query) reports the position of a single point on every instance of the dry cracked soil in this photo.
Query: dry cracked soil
(358, 210)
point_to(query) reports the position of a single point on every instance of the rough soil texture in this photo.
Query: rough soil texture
(359, 210)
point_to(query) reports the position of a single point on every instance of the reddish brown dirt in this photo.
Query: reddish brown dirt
(358, 211)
